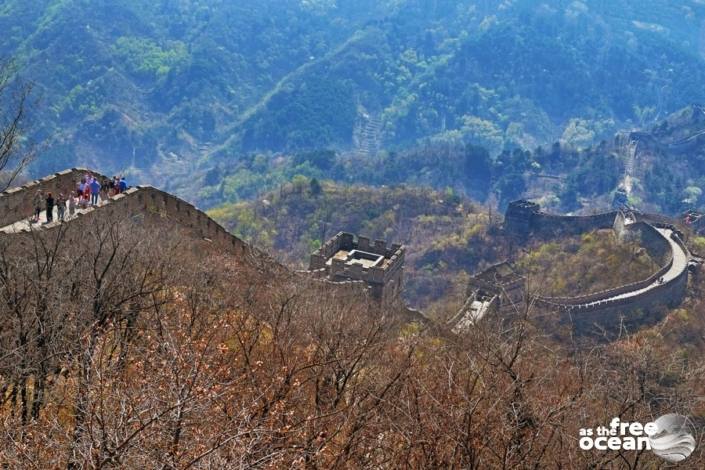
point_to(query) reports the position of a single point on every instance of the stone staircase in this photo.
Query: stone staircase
(369, 137)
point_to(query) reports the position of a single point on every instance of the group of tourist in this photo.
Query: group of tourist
(88, 192)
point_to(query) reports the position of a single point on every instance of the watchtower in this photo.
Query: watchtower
(345, 258)
(517, 218)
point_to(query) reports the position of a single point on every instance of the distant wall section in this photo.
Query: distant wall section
(616, 306)
(524, 219)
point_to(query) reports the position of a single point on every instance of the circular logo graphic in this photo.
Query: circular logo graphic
(673, 440)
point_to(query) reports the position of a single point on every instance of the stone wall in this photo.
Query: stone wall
(188, 216)
(385, 282)
(145, 205)
(549, 225)
(598, 299)
(609, 312)
(524, 218)
(146, 201)
(324, 253)
(518, 217)
(18, 203)
(648, 237)
(611, 315)
(605, 308)
(339, 269)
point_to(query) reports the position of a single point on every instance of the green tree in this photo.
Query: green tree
(315, 187)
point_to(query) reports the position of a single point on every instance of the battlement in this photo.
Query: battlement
(344, 258)
(16, 203)
(654, 233)
(524, 218)
(136, 204)
(518, 217)
(373, 267)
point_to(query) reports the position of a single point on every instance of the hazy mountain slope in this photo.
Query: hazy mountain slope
(518, 74)
(175, 88)
(446, 235)
(142, 79)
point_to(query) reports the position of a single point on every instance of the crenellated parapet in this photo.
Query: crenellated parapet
(135, 203)
(524, 219)
(17, 203)
(374, 269)
(656, 234)
(344, 258)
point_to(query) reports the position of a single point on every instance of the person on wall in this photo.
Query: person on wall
(38, 203)
(95, 191)
(61, 206)
(105, 188)
(72, 205)
(50, 208)
(86, 195)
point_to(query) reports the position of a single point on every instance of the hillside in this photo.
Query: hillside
(667, 174)
(169, 91)
(594, 262)
(496, 74)
(447, 236)
(141, 334)
(521, 184)
(157, 81)
(448, 239)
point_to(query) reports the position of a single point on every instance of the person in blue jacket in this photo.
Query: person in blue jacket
(123, 184)
(95, 191)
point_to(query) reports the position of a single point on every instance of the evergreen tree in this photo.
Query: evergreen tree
(315, 187)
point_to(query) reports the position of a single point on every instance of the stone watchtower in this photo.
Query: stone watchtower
(518, 217)
(342, 258)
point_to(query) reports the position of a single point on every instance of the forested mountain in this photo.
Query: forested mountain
(447, 235)
(516, 73)
(138, 331)
(448, 238)
(132, 83)
(174, 88)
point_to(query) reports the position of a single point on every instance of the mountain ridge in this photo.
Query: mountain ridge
(169, 83)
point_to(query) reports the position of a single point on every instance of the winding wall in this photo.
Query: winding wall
(16, 204)
(667, 286)
(142, 200)
(550, 225)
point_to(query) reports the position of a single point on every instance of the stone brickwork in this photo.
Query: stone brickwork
(607, 309)
(501, 281)
(140, 201)
(519, 218)
(549, 225)
(524, 219)
(385, 279)
(144, 207)
(647, 236)
(17, 203)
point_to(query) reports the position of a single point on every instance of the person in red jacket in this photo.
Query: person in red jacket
(86, 195)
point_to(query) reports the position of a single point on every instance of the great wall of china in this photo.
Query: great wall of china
(500, 288)
(16, 206)
(490, 290)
